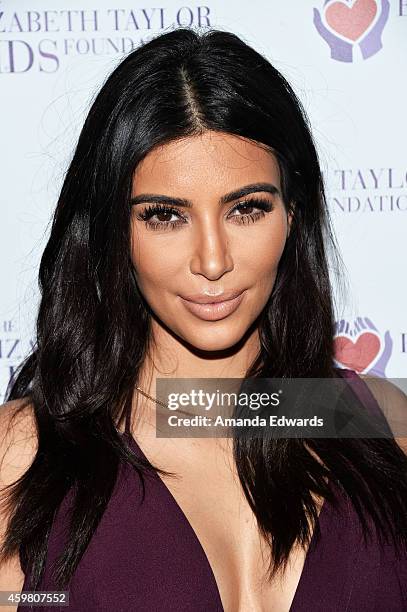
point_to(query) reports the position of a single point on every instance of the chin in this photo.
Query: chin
(213, 339)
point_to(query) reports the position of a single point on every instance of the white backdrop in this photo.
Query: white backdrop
(345, 59)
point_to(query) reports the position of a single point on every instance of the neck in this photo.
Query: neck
(170, 357)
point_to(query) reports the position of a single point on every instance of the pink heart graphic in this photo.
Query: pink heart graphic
(351, 21)
(357, 355)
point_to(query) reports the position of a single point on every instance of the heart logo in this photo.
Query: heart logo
(351, 21)
(357, 355)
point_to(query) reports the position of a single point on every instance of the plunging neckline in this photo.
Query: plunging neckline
(323, 518)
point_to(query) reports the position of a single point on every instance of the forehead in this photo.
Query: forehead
(213, 160)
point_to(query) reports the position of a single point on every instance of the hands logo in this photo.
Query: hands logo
(344, 24)
(362, 347)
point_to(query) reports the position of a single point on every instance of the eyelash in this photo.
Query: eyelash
(150, 211)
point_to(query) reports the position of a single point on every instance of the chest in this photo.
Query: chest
(209, 494)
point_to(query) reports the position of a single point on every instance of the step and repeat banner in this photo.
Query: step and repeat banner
(345, 59)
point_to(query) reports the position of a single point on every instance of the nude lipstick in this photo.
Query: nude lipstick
(216, 310)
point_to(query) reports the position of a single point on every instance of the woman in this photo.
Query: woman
(195, 179)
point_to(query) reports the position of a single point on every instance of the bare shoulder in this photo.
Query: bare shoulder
(18, 445)
(18, 439)
(393, 403)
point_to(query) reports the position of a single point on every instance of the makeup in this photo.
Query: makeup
(214, 311)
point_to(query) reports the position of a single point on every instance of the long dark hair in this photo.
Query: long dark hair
(93, 325)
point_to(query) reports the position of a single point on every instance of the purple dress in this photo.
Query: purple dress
(145, 557)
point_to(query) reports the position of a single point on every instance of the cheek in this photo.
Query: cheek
(263, 250)
(155, 265)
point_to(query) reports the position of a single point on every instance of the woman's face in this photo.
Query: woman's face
(206, 238)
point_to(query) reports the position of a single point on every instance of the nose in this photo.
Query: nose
(211, 255)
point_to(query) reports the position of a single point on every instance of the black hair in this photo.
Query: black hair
(93, 324)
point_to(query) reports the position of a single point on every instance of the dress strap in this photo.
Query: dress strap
(365, 395)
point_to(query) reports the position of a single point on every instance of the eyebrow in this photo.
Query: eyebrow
(225, 199)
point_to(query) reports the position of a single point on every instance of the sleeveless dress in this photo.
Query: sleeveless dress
(145, 556)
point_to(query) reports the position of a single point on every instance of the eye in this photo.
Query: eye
(251, 210)
(248, 207)
(163, 214)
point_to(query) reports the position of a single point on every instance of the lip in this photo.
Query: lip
(202, 298)
(216, 310)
